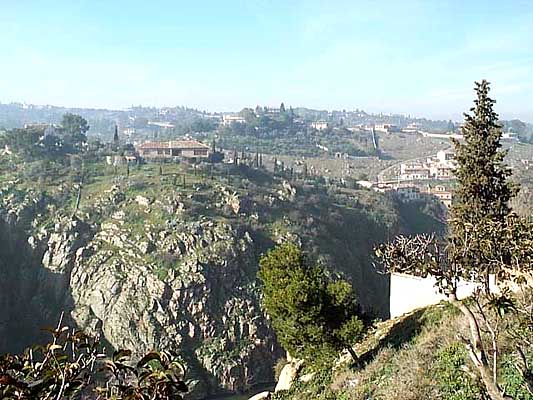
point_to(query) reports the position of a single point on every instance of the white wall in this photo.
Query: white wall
(410, 292)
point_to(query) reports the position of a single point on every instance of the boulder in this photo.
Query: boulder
(288, 375)
(261, 396)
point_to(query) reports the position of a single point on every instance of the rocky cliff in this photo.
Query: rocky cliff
(147, 266)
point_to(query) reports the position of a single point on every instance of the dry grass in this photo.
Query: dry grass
(402, 371)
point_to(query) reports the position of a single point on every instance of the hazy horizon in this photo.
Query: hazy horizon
(412, 57)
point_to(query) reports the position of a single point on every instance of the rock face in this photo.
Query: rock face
(153, 268)
(190, 289)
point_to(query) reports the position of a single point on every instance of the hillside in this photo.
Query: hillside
(417, 356)
(165, 257)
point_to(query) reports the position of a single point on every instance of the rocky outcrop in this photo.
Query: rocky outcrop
(289, 373)
(149, 267)
(189, 288)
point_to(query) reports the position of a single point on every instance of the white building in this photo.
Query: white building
(412, 128)
(407, 193)
(173, 150)
(233, 118)
(386, 128)
(442, 193)
(413, 172)
(320, 125)
(446, 156)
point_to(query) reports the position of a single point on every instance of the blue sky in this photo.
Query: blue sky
(411, 57)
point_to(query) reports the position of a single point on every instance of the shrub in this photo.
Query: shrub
(72, 365)
(314, 318)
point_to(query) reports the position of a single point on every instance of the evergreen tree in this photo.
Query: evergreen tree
(73, 130)
(483, 192)
(115, 137)
(313, 316)
(484, 239)
(282, 108)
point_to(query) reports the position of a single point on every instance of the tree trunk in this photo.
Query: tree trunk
(477, 351)
(352, 353)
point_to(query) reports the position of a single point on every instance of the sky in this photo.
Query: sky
(409, 57)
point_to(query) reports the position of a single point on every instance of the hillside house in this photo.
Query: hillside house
(404, 193)
(413, 172)
(446, 156)
(407, 193)
(231, 119)
(442, 193)
(173, 150)
(386, 128)
(319, 125)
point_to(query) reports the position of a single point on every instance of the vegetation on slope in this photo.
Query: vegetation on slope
(418, 356)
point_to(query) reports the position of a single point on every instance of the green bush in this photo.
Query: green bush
(314, 317)
(512, 380)
(453, 381)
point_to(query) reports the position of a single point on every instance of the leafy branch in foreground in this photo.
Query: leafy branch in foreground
(72, 366)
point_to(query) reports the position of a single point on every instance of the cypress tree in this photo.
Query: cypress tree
(115, 137)
(483, 191)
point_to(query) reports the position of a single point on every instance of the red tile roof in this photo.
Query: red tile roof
(174, 144)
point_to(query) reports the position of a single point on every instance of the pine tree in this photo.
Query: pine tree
(282, 108)
(313, 316)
